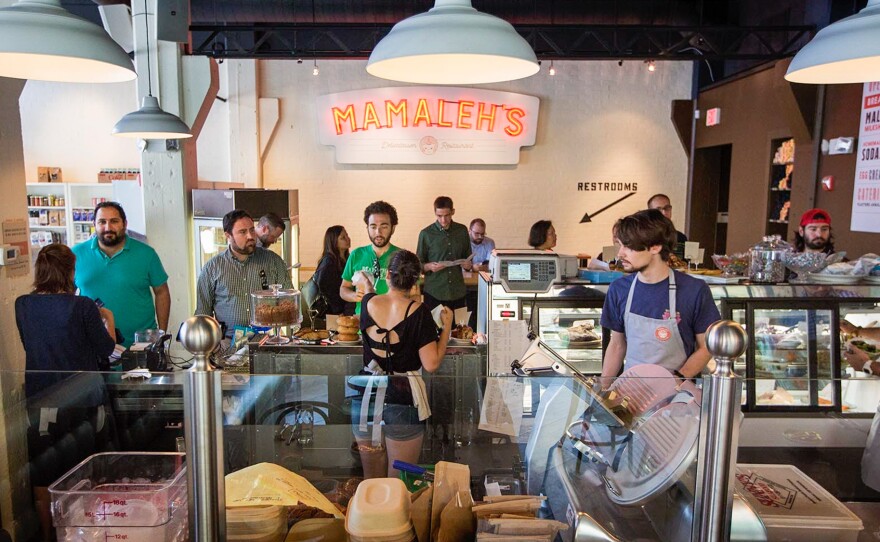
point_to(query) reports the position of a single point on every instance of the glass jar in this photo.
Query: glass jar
(275, 307)
(767, 260)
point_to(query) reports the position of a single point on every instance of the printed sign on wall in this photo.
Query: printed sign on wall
(866, 189)
(427, 125)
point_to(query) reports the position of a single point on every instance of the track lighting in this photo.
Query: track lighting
(552, 70)
(651, 65)
(315, 70)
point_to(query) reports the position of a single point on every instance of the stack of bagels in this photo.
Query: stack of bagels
(347, 327)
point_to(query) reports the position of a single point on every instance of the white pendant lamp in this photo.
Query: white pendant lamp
(41, 40)
(150, 121)
(847, 51)
(453, 43)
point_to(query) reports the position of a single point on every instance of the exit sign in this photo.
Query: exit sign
(713, 116)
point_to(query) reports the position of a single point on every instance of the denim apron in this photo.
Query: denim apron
(653, 340)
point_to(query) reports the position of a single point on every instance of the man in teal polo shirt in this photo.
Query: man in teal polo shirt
(373, 259)
(123, 273)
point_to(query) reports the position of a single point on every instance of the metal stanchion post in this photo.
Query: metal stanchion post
(204, 432)
(719, 433)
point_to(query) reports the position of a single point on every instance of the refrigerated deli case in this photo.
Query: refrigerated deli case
(791, 344)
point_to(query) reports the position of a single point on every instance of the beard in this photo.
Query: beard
(816, 243)
(111, 239)
(630, 268)
(477, 241)
(246, 250)
(379, 241)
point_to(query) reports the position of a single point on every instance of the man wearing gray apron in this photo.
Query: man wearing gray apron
(656, 315)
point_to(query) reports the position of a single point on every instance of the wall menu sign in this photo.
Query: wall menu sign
(866, 189)
(427, 125)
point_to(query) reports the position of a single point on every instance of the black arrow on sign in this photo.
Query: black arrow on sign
(589, 217)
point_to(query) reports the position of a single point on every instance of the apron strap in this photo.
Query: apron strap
(672, 297)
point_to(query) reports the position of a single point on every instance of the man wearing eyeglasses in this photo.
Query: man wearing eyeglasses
(370, 262)
(443, 242)
(481, 244)
(662, 203)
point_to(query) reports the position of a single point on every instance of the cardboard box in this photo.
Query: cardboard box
(46, 174)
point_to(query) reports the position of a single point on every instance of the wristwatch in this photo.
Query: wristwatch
(866, 368)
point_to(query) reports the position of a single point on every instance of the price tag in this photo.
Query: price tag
(701, 255)
(691, 250)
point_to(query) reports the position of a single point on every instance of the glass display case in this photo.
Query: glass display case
(593, 465)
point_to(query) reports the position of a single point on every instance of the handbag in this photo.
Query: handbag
(317, 302)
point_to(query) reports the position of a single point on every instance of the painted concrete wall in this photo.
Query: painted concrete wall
(599, 122)
(68, 126)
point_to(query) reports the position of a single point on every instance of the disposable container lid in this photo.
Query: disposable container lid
(786, 498)
(255, 520)
(379, 509)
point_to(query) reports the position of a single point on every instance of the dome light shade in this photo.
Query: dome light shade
(151, 122)
(41, 40)
(847, 51)
(453, 44)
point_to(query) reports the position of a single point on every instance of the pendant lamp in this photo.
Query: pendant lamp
(150, 121)
(41, 40)
(452, 43)
(847, 51)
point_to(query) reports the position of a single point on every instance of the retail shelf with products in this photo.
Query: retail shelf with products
(56, 215)
(779, 193)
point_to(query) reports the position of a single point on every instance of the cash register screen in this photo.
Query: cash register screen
(519, 271)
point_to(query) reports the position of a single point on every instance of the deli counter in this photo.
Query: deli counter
(791, 343)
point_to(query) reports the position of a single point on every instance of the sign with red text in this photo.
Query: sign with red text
(866, 189)
(427, 125)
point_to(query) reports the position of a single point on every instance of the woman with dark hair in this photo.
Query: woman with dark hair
(400, 340)
(542, 236)
(66, 339)
(328, 276)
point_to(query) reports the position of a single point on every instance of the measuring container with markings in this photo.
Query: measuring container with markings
(128, 496)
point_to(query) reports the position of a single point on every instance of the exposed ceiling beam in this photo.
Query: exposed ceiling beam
(561, 42)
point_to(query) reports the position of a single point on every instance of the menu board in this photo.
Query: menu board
(866, 189)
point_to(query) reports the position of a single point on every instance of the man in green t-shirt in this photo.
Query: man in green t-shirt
(373, 259)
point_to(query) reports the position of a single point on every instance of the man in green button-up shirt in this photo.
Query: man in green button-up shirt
(443, 242)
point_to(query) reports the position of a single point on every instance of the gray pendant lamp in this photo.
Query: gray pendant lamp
(847, 51)
(150, 121)
(453, 43)
(41, 40)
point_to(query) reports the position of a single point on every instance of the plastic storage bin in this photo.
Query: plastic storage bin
(793, 507)
(599, 277)
(134, 496)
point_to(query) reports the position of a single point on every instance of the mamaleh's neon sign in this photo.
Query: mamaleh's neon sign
(462, 115)
(427, 125)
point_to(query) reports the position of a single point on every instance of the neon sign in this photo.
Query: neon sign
(427, 125)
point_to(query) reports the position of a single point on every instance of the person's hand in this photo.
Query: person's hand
(446, 317)
(847, 327)
(855, 357)
(468, 265)
(433, 267)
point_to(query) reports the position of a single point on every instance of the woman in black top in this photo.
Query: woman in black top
(542, 235)
(62, 332)
(328, 276)
(400, 338)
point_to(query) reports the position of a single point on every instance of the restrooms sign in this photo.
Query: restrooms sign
(427, 125)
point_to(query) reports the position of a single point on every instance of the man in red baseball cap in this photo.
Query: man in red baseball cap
(814, 233)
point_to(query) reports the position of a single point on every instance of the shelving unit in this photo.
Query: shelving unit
(779, 189)
(70, 222)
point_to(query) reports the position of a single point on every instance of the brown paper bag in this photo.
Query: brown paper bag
(457, 522)
(420, 512)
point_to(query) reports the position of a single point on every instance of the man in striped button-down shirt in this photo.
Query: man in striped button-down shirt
(229, 277)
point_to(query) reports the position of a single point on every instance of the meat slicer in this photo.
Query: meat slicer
(618, 463)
